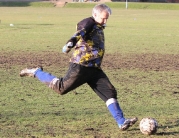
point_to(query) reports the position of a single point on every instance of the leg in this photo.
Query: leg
(106, 91)
(72, 79)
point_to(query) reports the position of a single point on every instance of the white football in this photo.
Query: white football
(148, 126)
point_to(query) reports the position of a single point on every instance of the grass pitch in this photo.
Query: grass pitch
(141, 61)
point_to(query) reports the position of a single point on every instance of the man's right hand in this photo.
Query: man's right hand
(67, 48)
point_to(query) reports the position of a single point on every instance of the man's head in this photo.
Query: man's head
(101, 13)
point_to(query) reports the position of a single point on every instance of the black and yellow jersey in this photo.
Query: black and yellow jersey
(88, 42)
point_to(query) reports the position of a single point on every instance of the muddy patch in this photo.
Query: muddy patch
(155, 62)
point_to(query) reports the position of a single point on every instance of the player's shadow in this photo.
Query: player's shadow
(166, 129)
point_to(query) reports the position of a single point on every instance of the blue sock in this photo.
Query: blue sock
(116, 111)
(44, 76)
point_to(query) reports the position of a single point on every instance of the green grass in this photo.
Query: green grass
(30, 109)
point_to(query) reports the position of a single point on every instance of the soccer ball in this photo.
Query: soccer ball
(148, 126)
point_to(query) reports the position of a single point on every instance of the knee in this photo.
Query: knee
(111, 101)
(55, 85)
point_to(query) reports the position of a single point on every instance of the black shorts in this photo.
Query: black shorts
(94, 77)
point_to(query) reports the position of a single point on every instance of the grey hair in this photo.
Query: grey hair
(100, 8)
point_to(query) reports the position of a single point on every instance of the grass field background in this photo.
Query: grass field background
(30, 109)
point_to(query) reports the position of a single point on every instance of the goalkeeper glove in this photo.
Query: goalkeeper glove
(67, 48)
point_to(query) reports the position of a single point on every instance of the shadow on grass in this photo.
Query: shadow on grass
(166, 129)
(167, 133)
(14, 4)
(25, 4)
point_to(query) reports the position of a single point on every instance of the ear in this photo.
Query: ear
(95, 15)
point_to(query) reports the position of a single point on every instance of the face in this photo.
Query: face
(101, 18)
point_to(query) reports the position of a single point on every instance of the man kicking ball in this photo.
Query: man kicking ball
(85, 65)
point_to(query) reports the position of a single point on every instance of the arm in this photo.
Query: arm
(83, 27)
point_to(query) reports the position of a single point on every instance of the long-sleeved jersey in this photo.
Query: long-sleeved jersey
(88, 42)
